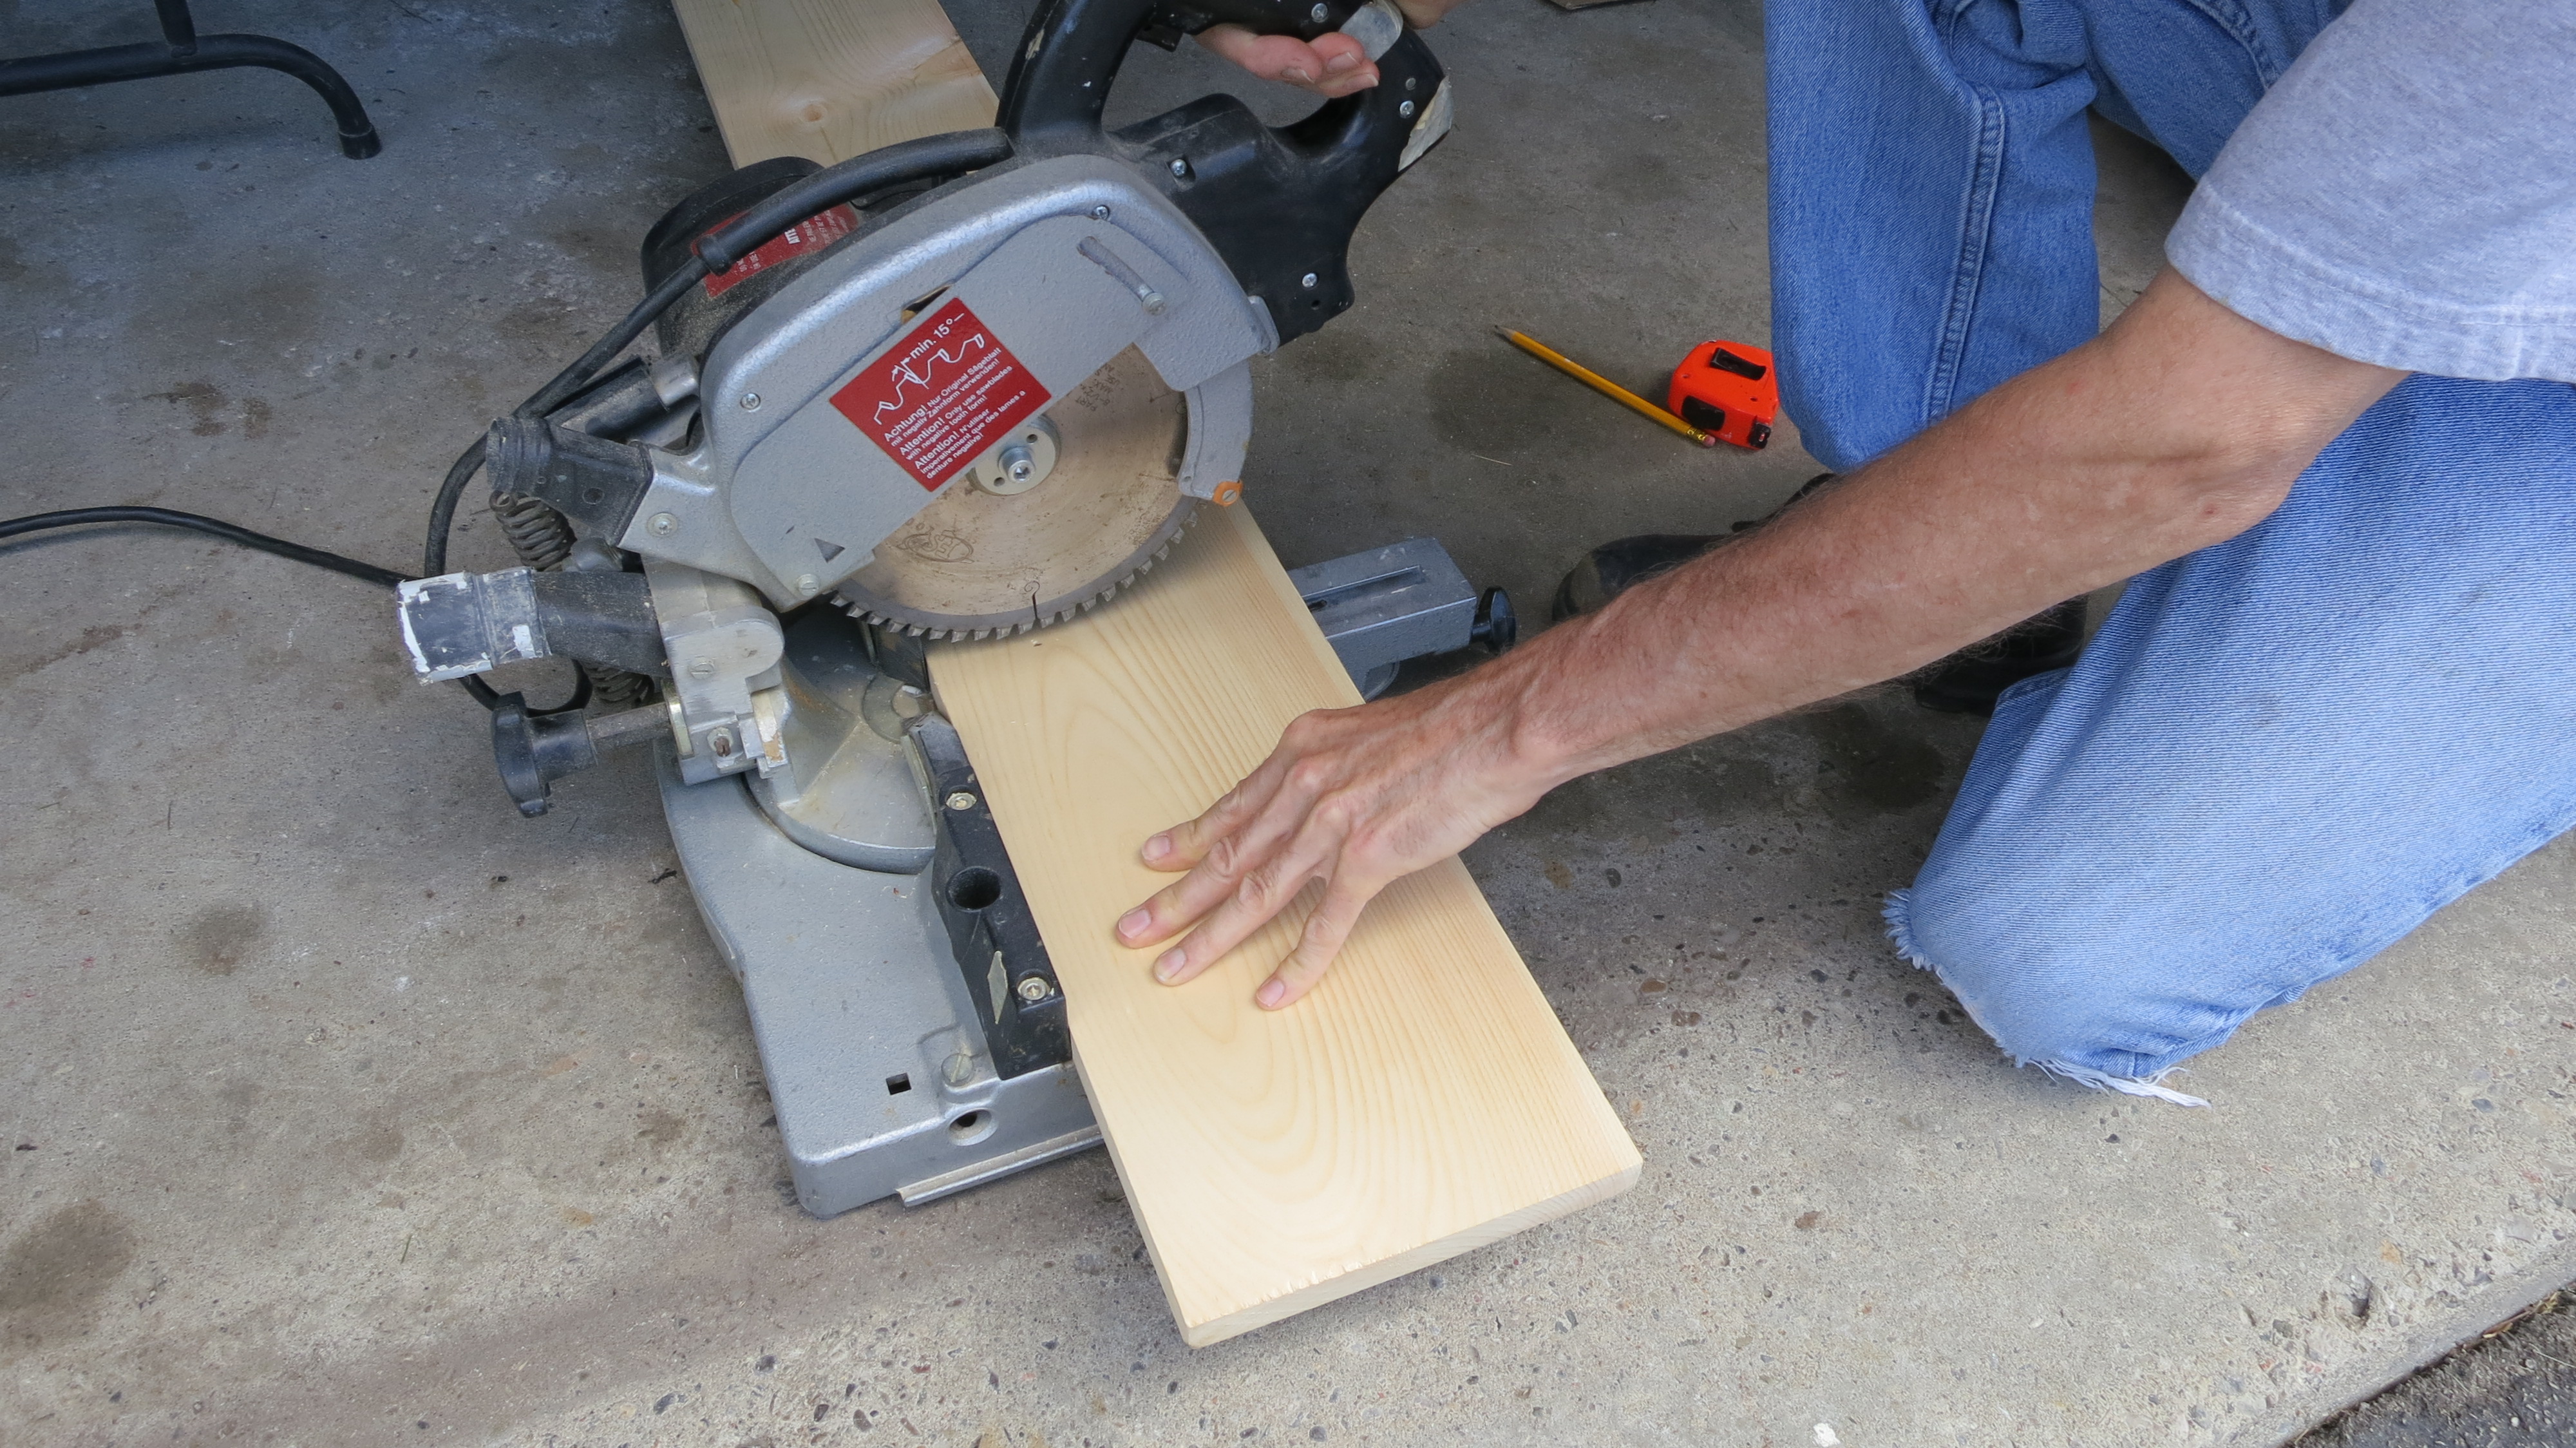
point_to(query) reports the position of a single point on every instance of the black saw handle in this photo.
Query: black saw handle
(1280, 204)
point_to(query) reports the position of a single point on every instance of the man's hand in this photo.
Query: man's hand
(1333, 65)
(1353, 798)
(2181, 426)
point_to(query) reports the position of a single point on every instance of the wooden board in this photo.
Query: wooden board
(1422, 1101)
(831, 79)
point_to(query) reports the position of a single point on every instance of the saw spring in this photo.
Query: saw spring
(617, 688)
(537, 533)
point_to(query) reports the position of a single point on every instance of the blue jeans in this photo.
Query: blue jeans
(2282, 752)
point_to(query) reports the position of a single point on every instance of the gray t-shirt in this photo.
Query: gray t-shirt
(2406, 195)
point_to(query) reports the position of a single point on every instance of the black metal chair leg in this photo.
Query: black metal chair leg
(184, 50)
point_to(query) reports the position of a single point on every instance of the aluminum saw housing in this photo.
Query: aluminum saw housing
(1062, 262)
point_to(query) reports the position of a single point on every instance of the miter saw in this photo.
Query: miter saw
(959, 387)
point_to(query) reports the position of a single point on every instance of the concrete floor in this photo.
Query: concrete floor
(350, 1108)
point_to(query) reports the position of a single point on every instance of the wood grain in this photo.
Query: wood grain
(1422, 1101)
(831, 79)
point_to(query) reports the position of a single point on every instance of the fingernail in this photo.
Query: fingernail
(1271, 993)
(1341, 62)
(1157, 847)
(1168, 966)
(1297, 75)
(1133, 923)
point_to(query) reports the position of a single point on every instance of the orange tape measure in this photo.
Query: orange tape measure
(1728, 389)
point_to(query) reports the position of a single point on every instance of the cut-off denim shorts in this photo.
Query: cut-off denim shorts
(2282, 752)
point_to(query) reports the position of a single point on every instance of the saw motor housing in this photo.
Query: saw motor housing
(1052, 269)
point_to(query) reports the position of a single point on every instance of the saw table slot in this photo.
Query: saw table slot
(1389, 604)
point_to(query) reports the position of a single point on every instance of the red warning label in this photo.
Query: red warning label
(935, 400)
(812, 234)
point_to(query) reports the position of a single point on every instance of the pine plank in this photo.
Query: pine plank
(831, 79)
(1420, 1102)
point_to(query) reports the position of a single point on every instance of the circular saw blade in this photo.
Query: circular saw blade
(973, 564)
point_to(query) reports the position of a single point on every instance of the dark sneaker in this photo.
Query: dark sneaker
(1621, 564)
(1969, 681)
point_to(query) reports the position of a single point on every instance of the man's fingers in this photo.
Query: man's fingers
(1241, 843)
(1333, 65)
(1174, 907)
(1265, 890)
(1344, 898)
(1347, 67)
(1183, 845)
(1232, 918)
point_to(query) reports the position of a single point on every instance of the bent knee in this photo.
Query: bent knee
(2059, 986)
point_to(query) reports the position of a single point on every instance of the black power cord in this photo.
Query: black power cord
(217, 527)
(235, 533)
(931, 158)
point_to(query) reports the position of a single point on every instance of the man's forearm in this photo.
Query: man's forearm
(2179, 428)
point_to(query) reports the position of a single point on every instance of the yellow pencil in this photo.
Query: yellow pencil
(1603, 385)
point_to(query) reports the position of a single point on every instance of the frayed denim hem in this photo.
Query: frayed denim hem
(1900, 931)
(2127, 1085)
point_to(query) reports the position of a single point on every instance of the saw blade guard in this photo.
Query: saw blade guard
(845, 416)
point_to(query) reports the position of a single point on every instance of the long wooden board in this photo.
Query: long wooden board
(1422, 1101)
(831, 79)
